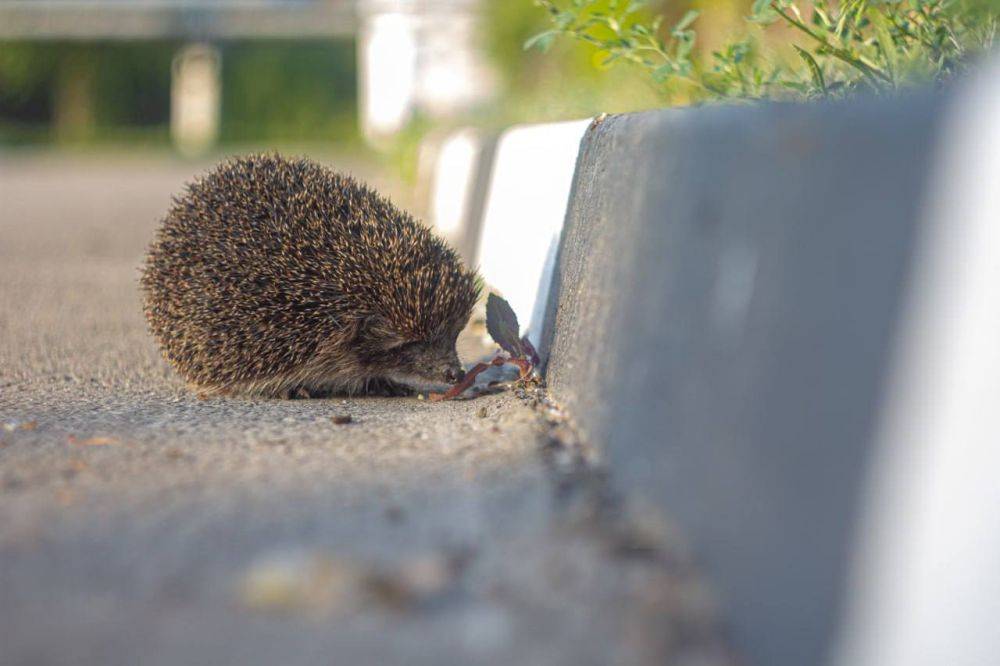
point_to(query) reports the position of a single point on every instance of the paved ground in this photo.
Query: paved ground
(139, 524)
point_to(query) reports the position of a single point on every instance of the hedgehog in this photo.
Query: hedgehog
(275, 277)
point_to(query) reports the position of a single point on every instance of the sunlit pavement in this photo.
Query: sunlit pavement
(140, 524)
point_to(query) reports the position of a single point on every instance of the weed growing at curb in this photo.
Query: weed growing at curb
(503, 327)
(846, 46)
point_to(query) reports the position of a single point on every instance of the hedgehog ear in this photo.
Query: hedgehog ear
(371, 323)
(374, 327)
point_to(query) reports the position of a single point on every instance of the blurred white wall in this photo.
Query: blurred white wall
(926, 583)
(419, 57)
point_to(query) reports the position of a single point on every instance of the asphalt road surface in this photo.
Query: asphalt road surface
(139, 524)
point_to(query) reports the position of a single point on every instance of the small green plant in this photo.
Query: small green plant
(502, 325)
(845, 45)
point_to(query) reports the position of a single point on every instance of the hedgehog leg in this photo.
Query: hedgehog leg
(314, 391)
(388, 388)
(306, 392)
(300, 393)
(205, 392)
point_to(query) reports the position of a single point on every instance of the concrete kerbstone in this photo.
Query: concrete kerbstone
(727, 293)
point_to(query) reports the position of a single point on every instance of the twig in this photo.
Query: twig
(524, 367)
(467, 381)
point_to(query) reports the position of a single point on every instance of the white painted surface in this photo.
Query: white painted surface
(387, 51)
(525, 210)
(453, 180)
(420, 57)
(926, 581)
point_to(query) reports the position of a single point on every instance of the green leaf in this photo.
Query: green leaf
(842, 22)
(763, 12)
(883, 35)
(603, 59)
(542, 40)
(684, 47)
(685, 21)
(663, 72)
(814, 69)
(760, 6)
(563, 20)
(822, 18)
(798, 87)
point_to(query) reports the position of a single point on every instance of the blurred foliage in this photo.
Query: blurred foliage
(75, 92)
(560, 84)
(686, 50)
(80, 92)
(289, 91)
(836, 46)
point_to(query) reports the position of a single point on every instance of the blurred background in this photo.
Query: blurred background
(107, 107)
(365, 80)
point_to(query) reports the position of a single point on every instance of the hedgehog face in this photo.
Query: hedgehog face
(422, 364)
(416, 363)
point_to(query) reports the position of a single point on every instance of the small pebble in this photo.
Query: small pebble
(342, 419)
(92, 441)
(482, 413)
(299, 581)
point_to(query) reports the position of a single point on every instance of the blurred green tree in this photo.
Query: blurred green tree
(289, 91)
(821, 48)
(94, 92)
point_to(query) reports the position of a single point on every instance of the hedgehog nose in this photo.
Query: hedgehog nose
(454, 375)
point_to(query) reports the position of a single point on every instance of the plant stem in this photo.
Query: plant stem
(837, 52)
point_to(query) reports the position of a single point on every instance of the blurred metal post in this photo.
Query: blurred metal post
(195, 98)
(419, 57)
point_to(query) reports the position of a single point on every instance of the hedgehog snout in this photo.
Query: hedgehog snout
(428, 362)
(447, 367)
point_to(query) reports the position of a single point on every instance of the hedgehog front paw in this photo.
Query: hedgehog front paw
(387, 388)
(304, 392)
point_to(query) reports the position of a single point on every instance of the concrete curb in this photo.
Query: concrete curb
(776, 323)
(729, 286)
